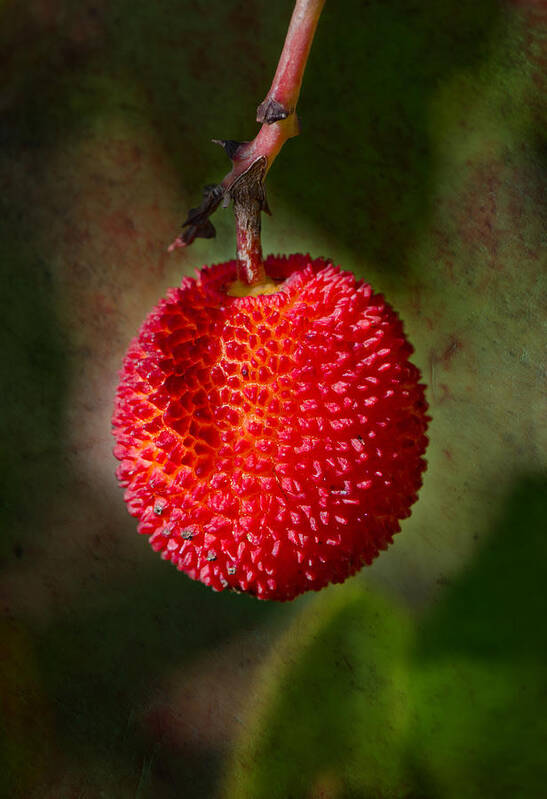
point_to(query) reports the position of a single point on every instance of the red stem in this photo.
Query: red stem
(285, 88)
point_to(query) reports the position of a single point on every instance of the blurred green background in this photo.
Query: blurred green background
(421, 167)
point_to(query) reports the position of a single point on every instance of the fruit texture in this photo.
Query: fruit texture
(271, 444)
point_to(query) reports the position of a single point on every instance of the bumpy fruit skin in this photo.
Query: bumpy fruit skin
(271, 444)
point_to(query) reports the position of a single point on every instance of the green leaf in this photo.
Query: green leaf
(332, 708)
(479, 674)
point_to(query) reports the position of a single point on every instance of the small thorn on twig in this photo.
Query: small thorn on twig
(230, 146)
(270, 111)
(249, 186)
(197, 223)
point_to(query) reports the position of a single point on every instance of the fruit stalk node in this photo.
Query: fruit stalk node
(244, 184)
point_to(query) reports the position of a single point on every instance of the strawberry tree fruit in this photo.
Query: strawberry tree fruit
(271, 443)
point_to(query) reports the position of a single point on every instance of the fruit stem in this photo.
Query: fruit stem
(282, 98)
(244, 184)
(277, 112)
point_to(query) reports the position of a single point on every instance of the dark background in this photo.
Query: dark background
(420, 167)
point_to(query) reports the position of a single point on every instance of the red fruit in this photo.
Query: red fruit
(271, 444)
